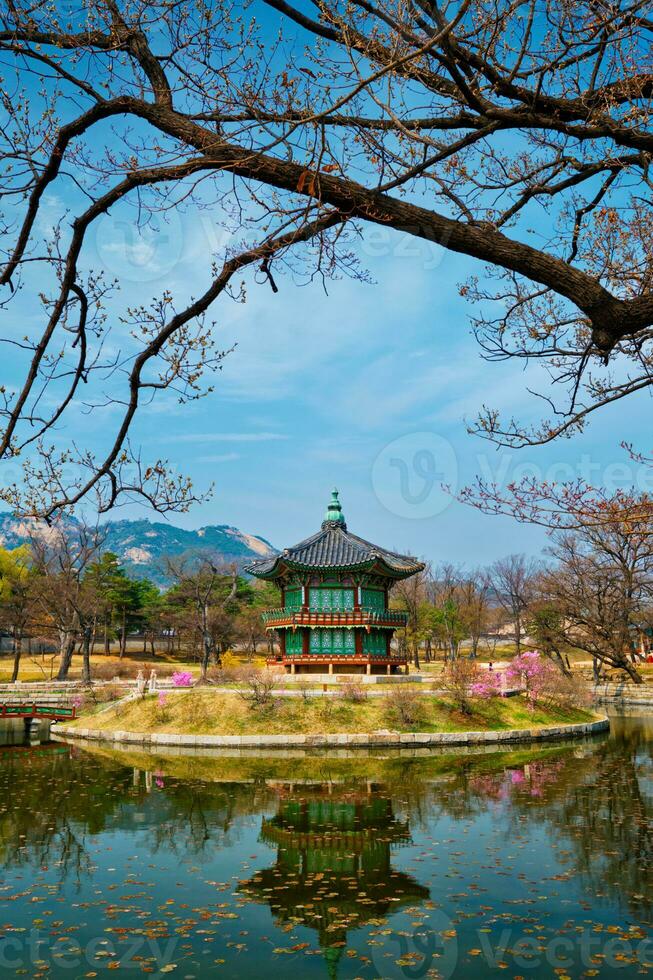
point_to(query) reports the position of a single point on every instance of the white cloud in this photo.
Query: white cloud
(227, 437)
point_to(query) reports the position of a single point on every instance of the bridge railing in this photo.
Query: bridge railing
(41, 709)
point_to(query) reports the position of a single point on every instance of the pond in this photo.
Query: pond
(530, 863)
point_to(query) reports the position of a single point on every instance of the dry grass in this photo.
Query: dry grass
(37, 667)
(204, 713)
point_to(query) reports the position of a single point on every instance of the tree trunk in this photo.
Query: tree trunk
(87, 642)
(18, 649)
(208, 653)
(66, 650)
(107, 642)
(632, 672)
(518, 634)
(123, 634)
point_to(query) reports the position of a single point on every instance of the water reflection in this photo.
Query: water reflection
(397, 864)
(333, 870)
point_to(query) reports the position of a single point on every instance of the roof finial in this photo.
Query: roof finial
(334, 512)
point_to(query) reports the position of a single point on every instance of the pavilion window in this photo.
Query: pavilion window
(331, 600)
(373, 599)
(328, 642)
(294, 643)
(374, 643)
(293, 599)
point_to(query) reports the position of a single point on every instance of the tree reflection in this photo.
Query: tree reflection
(335, 836)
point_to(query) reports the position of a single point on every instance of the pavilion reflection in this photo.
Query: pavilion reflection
(333, 871)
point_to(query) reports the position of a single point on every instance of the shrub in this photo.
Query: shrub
(305, 687)
(258, 687)
(458, 680)
(224, 675)
(182, 678)
(544, 682)
(229, 661)
(488, 685)
(103, 694)
(353, 690)
(162, 707)
(403, 706)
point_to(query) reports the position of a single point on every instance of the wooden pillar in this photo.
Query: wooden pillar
(331, 666)
(387, 669)
(358, 641)
(306, 642)
(293, 668)
(368, 667)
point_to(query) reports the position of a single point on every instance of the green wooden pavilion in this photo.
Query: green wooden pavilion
(335, 588)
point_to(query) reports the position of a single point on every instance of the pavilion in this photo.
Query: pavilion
(335, 611)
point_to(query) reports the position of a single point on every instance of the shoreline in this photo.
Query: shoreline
(384, 738)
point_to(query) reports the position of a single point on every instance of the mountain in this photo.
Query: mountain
(142, 545)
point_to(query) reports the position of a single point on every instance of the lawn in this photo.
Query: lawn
(206, 713)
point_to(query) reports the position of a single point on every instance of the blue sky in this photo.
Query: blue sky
(366, 388)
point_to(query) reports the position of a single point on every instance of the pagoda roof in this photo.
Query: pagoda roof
(336, 548)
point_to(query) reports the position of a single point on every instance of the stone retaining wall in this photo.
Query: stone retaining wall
(381, 738)
(625, 695)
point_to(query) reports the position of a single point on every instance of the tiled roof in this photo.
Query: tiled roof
(334, 547)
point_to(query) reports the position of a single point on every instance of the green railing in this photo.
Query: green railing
(16, 709)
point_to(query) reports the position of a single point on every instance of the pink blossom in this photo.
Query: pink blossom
(488, 687)
(182, 678)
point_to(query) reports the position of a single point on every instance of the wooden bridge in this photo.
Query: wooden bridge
(36, 710)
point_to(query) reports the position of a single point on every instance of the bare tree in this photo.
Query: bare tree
(474, 591)
(411, 595)
(601, 589)
(447, 613)
(512, 581)
(205, 591)
(61, 555)
(516, 135)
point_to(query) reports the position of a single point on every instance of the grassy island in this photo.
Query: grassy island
(206, 713)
